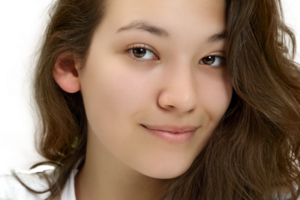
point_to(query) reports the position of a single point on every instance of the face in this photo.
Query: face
(155, 84)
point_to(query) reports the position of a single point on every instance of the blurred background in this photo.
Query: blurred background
(22, 23)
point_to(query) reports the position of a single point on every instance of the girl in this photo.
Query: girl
(168, 99)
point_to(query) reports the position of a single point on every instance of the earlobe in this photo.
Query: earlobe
(65, 73)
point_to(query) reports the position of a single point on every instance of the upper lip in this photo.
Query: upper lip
(171, 128)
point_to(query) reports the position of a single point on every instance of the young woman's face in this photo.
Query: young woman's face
(156, 64)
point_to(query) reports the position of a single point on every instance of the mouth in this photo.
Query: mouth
(172, 129)
(173, 134)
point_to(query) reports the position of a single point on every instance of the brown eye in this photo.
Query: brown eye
(142, 53)
(139, 52)
(209, 60)
(215, 61)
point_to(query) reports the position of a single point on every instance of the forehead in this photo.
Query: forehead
(173, 15)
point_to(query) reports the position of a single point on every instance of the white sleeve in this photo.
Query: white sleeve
(12, 189)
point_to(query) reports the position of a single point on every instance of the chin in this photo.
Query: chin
(168, 174)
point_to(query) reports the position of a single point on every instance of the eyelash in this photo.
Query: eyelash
(145, 47)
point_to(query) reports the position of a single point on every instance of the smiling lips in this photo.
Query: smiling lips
(179, 135)
(172, 129)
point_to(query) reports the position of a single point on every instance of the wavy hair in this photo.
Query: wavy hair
(254, 152)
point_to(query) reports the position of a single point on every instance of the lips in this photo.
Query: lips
(171, 129)
(172, 137)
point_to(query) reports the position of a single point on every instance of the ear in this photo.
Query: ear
(65, 73)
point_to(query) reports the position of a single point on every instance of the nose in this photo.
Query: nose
(179, 91)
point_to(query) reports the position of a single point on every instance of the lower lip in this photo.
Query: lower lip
(172, 137)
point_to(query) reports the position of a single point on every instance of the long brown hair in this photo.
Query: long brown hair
(254, 151)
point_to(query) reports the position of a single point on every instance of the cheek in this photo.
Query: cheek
(113, 92)
(128, 91)
(215, 98)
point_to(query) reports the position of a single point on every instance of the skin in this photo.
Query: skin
(170, 87)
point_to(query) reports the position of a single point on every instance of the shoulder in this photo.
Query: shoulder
(11, 188)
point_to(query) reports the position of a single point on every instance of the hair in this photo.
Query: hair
(253, 153)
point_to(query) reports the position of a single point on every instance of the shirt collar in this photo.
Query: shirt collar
(69, 190)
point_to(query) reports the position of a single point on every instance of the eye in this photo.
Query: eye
(212, 58)
(138, 52)
(142, 53)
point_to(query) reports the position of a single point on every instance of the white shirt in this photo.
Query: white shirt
(11, 189)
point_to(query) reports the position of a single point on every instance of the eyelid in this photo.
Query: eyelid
(220, 55)
(142, 46)
(154, 51)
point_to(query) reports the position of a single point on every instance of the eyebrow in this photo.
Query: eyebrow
(140, 25)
